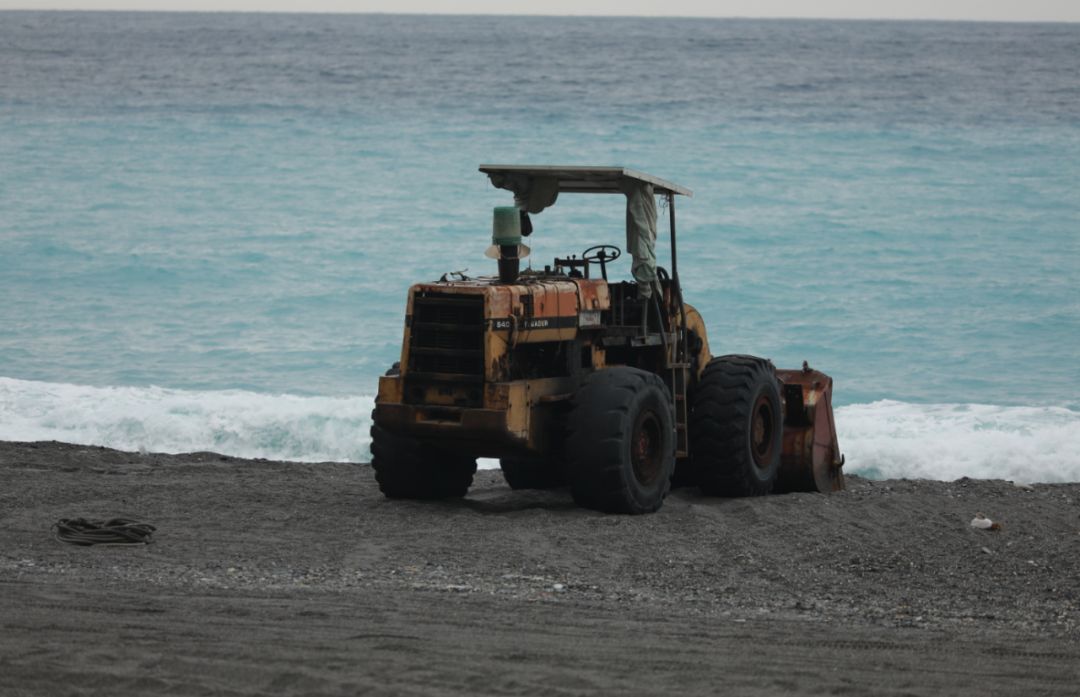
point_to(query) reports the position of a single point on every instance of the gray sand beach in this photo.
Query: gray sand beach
(289, 578)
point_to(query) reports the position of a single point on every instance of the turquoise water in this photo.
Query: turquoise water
(210, 221)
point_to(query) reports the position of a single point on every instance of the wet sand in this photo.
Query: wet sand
(287, 578)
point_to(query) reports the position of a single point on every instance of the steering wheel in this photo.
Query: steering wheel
(600, 254)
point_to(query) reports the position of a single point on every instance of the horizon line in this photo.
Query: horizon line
(542, 16)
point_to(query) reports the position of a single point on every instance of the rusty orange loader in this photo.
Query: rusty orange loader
(574, 380)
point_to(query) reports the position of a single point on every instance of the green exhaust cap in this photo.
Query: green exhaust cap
(507, 226)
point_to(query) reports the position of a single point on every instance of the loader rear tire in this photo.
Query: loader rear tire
(620, 446)
(736, 427)
(409, 469)
(532, 473)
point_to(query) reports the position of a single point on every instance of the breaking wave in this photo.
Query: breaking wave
(888, 439)
(232, 422)
(883, 439)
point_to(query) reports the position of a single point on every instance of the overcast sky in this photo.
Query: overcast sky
(1004, 10)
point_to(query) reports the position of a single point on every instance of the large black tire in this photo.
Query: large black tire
(532, 472)
(620, 446)
(408, 469)
(736, 427)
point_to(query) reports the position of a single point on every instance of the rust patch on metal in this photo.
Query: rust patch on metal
(594, 294)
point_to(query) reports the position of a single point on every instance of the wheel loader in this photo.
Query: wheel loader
(608, 387)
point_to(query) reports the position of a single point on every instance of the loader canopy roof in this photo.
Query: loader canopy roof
(535, 187)
(580, 180)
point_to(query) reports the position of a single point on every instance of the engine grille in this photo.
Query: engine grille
(447, 335)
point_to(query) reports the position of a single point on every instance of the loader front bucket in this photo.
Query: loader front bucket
(811, 459)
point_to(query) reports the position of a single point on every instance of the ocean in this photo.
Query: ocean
(208, 222)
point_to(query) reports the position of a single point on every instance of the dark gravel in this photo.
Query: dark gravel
(261, 571)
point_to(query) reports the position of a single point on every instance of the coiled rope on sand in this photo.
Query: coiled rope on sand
(116, 531)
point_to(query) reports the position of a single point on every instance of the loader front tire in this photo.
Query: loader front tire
(409, 469)
(620, 446)
(736, 427)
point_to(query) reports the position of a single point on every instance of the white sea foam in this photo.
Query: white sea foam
(880, 439)
(947, 441)
(233, 422)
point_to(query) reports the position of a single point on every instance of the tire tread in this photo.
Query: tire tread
(598, 471)
(719, 423)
